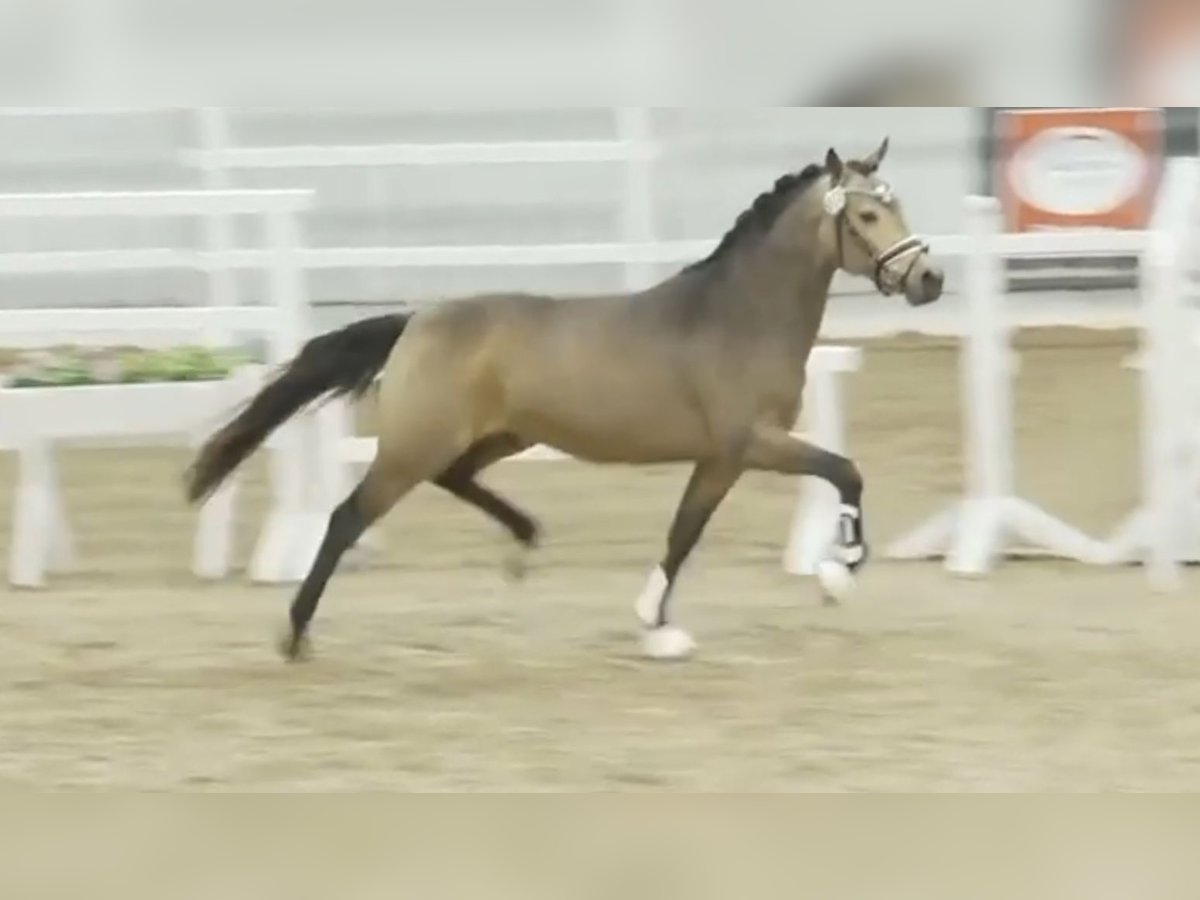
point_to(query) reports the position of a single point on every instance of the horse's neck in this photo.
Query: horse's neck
(774, 296)
(785, 295)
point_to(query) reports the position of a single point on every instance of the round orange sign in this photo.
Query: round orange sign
(1080, 168)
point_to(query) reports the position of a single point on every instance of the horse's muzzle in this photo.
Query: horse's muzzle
(926, 287)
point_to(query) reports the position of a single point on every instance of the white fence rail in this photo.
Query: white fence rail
(634, 149)
(438, 155)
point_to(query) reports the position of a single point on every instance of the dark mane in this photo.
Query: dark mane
(764, 211)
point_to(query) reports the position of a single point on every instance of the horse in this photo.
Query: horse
(706, 367)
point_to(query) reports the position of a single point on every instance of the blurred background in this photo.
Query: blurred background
(709, 165)
(107, 94)
(571, 52)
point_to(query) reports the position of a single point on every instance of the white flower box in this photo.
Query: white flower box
(106, 411)
(33, 420)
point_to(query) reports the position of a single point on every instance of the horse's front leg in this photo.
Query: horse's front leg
(709, 484)
(773, 449)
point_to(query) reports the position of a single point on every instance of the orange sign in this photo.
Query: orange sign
(1080, 168)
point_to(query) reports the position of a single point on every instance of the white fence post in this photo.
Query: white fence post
(41, 532)
(297, 522)
(1166, 469)
(989, 365)
(218, 227)
(212, 548)
(974, 532)
(635, 128)
(814, 524)
(1165, 530)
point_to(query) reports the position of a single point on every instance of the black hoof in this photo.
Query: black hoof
(532, 539)
(516, 562)
(516, 567)
(852, 556)
(295, 648)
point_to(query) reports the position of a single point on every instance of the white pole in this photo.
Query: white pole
(635, 128)
(213, 129)
(1161, 448)
(814, 525)
(287, 284)
(284, 548)
(986, 361)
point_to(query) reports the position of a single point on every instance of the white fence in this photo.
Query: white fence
(990, 519)
(634, 149)
(34, 420)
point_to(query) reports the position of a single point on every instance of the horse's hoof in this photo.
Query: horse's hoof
(836, 580)
(855, 557)
(668, 644)
(295, 648)
(516, 564)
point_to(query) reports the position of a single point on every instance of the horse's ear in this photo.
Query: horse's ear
(834, 165)
(875, 160)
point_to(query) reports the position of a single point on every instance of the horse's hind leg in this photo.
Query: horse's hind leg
(385, 484)
(459, 480)
(381, 489)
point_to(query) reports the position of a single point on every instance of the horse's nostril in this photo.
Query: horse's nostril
(932, 281)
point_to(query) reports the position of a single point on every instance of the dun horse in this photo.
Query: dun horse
(706, 368)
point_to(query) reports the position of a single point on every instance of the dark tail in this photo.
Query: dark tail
(339, 363)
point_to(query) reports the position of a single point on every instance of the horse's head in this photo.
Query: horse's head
(869, 235)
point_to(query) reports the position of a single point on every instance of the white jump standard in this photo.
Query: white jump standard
(1165, 530)
(990, 519)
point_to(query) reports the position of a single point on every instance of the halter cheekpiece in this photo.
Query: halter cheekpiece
(835, 203)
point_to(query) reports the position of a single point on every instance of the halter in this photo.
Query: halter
(835, 205)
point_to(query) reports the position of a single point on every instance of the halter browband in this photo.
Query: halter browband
(835, 205)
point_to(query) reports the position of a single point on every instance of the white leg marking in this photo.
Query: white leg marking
(835, 579)
(668, 643)
(665, 643)
(650, 601)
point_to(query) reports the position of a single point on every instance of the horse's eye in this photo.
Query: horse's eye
(868, 217)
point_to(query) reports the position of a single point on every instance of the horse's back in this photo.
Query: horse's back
(593, 376)
(456, 356)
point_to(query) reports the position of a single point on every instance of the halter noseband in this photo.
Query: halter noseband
(835, 205)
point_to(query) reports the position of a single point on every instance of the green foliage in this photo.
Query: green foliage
(70, 366)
